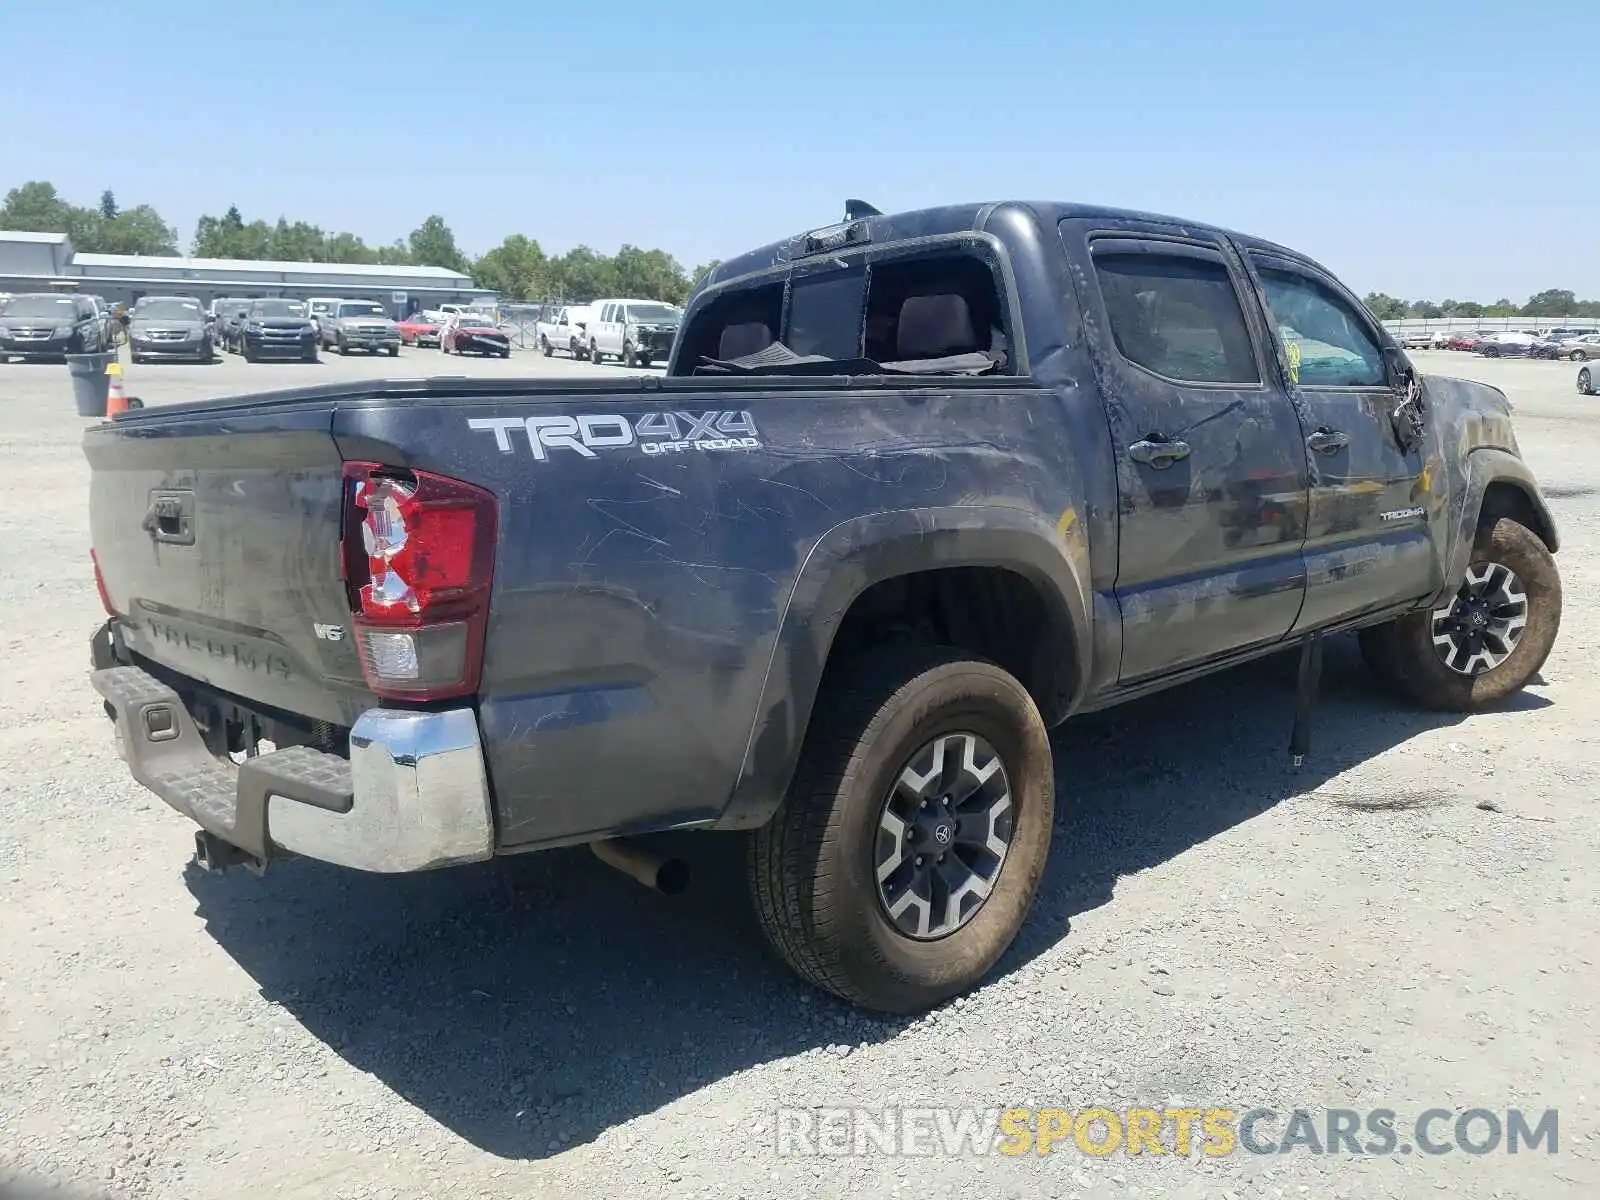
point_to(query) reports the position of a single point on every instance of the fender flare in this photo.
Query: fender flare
(858, 553)
(1486, 467)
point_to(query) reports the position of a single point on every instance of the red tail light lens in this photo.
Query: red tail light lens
(419, 560)
(100, 585)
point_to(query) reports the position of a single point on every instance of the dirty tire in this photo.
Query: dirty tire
(1414, 668)
(810, 869)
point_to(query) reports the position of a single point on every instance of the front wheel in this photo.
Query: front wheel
(906, 854)
(1579, 355)
(506, 353)
(1585, 382)
(394, 351)
(627, 354)
(1487, 641)
(545, 347)
(594, 354)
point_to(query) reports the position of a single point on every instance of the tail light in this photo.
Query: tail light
(419, 560)
(100, 585)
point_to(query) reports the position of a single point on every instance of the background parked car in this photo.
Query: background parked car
(1417, 339)
(359, 325)
(1580, 348)
(565, 330)
(277, 329)
(638, 332)
(1506, 345)
(467, 333)
(169, 327)
(229, 321)
(46, 325)
(317, 308)
(419, 329)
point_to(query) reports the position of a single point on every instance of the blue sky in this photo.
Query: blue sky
(1425, 149)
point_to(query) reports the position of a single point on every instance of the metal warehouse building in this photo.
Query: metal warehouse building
(44, 262)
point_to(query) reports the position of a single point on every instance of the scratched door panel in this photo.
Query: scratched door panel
(1209, 542)
(1368, 537)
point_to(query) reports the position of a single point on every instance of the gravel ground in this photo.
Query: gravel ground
(1406, 923)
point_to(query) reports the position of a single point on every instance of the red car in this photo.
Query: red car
(417, 330)
(1463, 341)
(467, 334)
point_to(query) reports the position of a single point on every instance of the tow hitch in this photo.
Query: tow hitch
(214, 856)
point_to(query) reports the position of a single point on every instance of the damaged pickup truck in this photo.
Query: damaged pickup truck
(914, 490)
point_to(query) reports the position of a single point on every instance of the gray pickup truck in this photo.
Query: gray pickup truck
(359, 325)
(913, 490)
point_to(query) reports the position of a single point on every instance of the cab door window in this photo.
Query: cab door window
(1325, 343)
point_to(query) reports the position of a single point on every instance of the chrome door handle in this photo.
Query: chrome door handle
(1328, 441)
(1158, 453)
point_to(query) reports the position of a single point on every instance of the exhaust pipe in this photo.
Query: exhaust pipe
(668, 876)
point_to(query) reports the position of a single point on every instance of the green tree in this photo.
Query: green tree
(433, 245)
(1555, 302)
(649, 275)
(583, 275)
(705, 269)
(108, 205)
(517, 269)
(299, 242)
(137, 230)
(1423, 308)
(1385, 307)
(35, 207)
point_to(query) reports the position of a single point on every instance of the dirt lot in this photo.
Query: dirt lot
(1408, 923)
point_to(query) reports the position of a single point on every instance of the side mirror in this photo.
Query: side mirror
(1398, 368)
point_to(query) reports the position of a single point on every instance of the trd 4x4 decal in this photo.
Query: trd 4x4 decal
(654, 433)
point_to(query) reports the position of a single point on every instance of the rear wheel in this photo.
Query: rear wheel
(1585, 382)
(1487, 641)
(906, 854)
(594, 354)
(1579, 355)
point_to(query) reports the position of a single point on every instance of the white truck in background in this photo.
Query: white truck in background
(565, 330)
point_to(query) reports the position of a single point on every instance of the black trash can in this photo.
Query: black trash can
(91, 387)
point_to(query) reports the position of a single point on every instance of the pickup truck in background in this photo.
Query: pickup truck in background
(359, 325)
(565, 330)
(913, 490)
(637, 332)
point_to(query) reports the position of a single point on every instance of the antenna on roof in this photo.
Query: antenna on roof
(854, 210)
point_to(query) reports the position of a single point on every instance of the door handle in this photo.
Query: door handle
(1157, 452)
(1328, 441)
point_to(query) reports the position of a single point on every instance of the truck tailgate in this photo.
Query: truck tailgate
(217, 537)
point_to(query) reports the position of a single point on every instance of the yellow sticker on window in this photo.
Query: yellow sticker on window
(1292, 349)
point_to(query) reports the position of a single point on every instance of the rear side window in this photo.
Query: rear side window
(930, 314)
(733, 325)
(925, 314)
(1176, 316)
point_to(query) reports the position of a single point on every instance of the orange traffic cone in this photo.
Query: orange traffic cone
(116, 398)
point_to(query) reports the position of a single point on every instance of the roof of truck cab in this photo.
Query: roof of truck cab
(957, 218)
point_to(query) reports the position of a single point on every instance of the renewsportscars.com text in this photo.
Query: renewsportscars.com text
(1209, 1131)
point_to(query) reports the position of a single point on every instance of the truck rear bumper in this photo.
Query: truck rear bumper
(412, 795)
